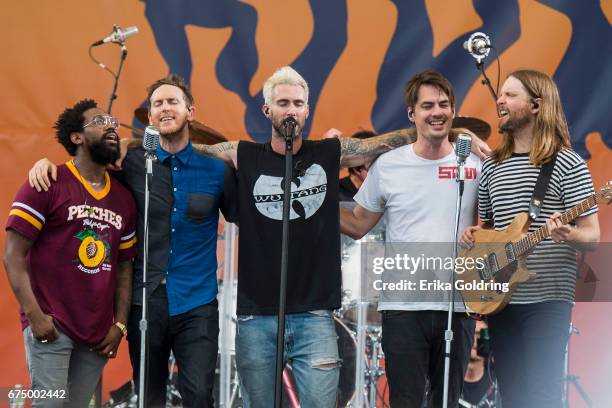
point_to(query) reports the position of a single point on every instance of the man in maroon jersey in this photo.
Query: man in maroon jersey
(68, 258)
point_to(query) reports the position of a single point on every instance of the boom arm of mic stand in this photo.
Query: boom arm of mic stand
(113, 95)
(485, 81)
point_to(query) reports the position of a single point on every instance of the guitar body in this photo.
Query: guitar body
(495, 249)
(497, 259)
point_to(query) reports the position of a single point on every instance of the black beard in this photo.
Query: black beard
(102, 153)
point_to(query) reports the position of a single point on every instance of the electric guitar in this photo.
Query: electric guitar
(500, 257)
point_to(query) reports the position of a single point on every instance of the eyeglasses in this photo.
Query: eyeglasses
(100, 121)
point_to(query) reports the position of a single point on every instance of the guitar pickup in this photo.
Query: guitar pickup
(493, 264)
(510, 254)
(489, 267)
(484, 272)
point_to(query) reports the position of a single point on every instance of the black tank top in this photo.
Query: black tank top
(313, 277)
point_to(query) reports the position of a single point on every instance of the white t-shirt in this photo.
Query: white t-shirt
(419, 197)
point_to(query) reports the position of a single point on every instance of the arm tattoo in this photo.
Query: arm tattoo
(360, 149)
(218, 149)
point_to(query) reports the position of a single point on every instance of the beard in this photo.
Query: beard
(170, 133)
(277, 124)
(102, 153)
(516, 121)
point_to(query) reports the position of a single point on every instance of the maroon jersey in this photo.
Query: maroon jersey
(80, 236)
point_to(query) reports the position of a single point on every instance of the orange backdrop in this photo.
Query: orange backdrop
(45, 68)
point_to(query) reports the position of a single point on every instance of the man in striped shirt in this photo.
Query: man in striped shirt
(529, 336)
(68, 258)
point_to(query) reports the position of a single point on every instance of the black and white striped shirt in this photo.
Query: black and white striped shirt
(506, 189)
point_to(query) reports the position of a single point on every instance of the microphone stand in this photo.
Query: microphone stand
(116, 84)
(145, 257)
(448, 334)
(282, 298)
(485, 81)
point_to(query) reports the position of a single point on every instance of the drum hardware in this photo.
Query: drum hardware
(363, 322)
(570, 378)
(374, 355)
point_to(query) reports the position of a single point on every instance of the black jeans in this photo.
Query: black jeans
(413, 342)
(192, 336)
(528, 342)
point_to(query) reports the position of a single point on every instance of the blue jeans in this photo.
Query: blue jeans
(528, 342)
(310, 344)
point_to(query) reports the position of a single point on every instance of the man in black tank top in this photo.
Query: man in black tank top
(314, 279)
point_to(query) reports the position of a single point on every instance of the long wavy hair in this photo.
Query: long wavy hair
(550, 131)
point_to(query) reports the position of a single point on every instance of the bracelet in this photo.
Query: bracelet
(121, 327)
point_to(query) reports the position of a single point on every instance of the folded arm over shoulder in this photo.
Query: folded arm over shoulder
(356, 152)
(226, 151)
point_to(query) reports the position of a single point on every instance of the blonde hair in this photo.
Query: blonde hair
(283, 76)
(550, 131)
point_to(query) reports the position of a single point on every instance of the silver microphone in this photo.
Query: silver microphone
(118, 35)
(150, 140)
(478, 45)
(463, 147)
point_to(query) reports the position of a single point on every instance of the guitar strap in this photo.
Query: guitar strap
(535, 205)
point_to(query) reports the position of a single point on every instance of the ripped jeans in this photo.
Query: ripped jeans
(310, 344)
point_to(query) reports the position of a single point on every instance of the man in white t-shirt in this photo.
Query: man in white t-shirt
(414, 188)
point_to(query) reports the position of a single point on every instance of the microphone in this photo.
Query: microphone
(478, 45)
(289, 127)
(150, 140)
(118, 35)
(463, 147)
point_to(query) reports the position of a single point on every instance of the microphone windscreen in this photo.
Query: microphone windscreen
(150, 139)
(129, 31)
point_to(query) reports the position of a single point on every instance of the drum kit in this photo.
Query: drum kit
(358, 325)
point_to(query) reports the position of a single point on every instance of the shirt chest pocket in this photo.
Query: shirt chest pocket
(200, 206)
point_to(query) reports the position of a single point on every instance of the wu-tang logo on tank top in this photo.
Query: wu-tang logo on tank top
(307, 194)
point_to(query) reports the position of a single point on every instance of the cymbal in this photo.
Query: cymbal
(481, 128)
(198, 131)
(139, 132)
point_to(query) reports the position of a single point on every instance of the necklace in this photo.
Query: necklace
(84, 180)
(90, 210)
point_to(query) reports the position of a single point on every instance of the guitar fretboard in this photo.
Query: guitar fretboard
(529, 241)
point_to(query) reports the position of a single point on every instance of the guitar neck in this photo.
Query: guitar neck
(529, 241)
